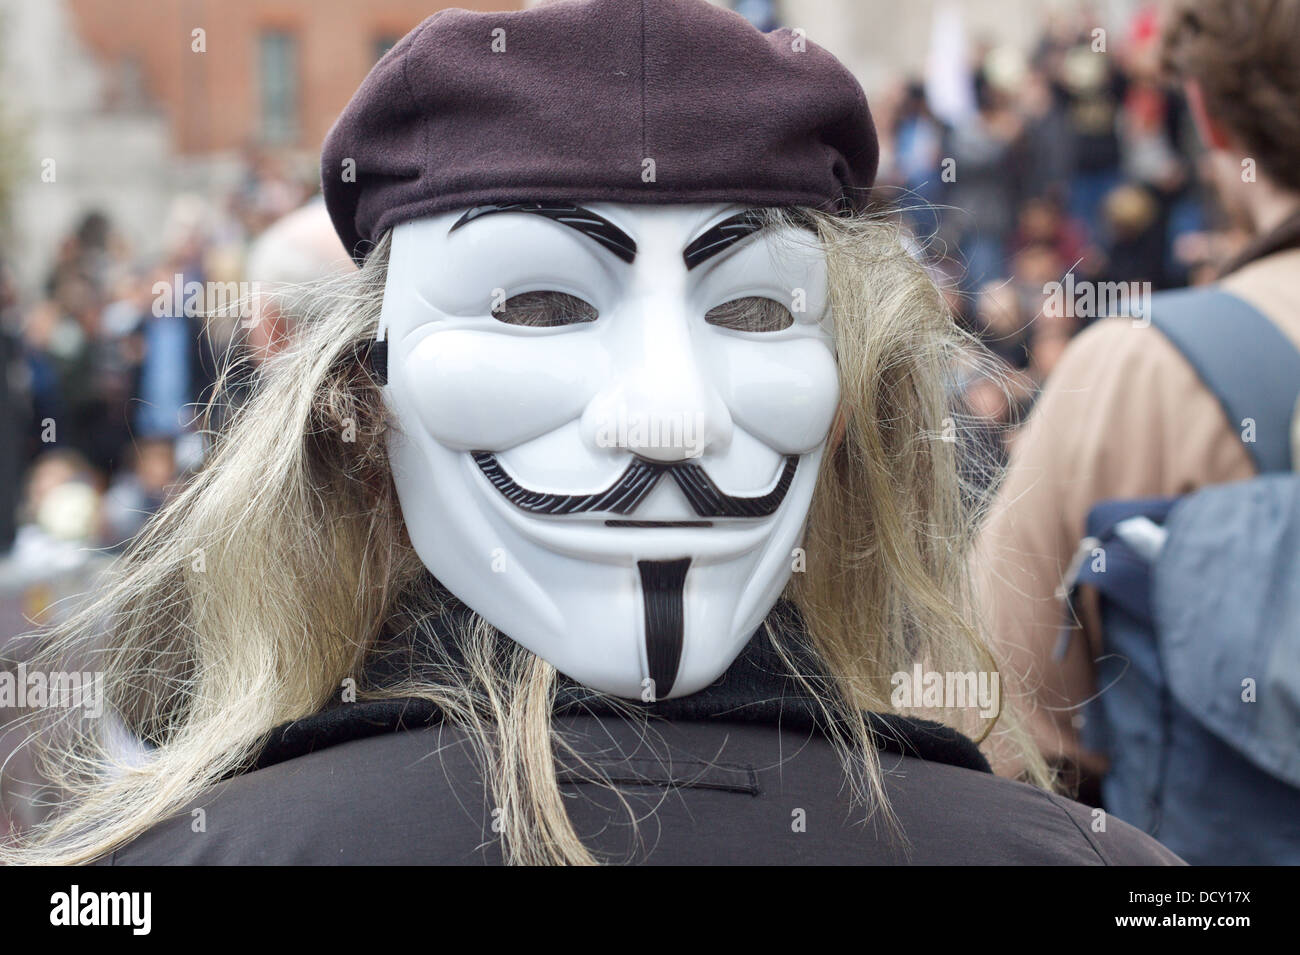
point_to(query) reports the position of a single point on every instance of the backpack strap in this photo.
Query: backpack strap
(1243, 358)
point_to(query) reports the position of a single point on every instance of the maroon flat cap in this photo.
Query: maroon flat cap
(657, 101)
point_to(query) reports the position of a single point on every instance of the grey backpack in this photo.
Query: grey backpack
(1198, 706)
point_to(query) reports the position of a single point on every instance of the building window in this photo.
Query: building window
(278, 56)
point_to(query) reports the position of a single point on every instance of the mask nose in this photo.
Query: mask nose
(662, 407)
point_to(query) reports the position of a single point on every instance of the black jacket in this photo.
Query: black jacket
(739, 773)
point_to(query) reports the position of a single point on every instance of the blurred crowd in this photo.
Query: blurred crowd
(108, 369)
(1017, 170)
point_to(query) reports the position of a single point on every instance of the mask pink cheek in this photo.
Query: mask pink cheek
(784, 394)
(475, 390)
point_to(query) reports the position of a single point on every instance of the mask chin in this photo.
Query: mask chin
(633, 567)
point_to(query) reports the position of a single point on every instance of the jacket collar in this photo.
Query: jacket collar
(759, 687)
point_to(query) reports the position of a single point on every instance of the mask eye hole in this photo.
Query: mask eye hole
(750, 314)
(544, 309)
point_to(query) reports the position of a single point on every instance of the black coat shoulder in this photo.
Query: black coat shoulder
(707, 791)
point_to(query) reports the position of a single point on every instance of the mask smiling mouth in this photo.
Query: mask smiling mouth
(631, 488)
(663, 581)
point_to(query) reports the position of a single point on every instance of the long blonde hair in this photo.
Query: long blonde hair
(252, 597)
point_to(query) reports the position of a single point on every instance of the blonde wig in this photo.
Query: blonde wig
(264, 587)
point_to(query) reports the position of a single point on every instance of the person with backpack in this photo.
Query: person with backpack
(1157, 469)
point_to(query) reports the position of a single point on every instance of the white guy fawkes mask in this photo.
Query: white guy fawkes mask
(608, 425)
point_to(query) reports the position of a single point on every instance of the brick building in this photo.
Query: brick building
(109, 105)
(261, 72)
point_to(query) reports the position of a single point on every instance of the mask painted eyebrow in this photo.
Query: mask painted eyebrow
(594, 226)
(722, 236)
(731, 230)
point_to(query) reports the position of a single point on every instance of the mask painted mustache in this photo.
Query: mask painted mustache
(634, 484)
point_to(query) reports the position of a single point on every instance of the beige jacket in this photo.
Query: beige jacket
(1123, 415)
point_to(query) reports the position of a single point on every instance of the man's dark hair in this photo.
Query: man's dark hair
(1245, 55)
